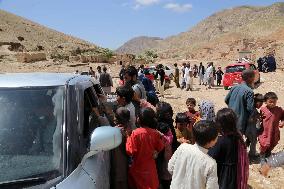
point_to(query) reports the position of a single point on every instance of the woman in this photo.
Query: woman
(230, 152)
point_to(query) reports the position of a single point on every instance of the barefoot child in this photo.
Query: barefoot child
(190, 165)
(273, 117)
(143, 143)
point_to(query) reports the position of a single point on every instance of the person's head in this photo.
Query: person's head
(184, 64)
(163, 127)
(164, 112)
(141, 66)
(188, 65)
(191, 103)
(105, 69)
(91, 68)
(226, 120)
(258, 100)
(99, 68)
(122, 116)
(207, 110)
(219, 68)
(147, 118)
(124, 95)
(175, 65)
(270, 99)
(181, 121)
(137, 92)
(131, 74)
(77, 71)
(248, 76)
(200, 63)
(205, 133)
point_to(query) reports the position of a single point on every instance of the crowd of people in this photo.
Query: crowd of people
(207, 76)
(195, 149)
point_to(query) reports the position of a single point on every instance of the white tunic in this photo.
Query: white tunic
(192, 168)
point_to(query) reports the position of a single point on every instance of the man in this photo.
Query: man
(92, 72)
(99, 69)
(241, 99)
(131, 78)
(160, 75)
(201, 72)
(106, 81)
(209, 75)
(176, 76)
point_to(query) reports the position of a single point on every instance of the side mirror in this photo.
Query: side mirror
(105, 138)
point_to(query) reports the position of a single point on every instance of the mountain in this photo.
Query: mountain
(139, 44)
(30, 36)
(224, 33)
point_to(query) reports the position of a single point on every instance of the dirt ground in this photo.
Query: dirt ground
(177, 97)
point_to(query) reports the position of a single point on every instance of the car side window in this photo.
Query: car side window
(90, 102)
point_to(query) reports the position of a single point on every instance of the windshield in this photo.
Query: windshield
(30, 133)
(232, 69)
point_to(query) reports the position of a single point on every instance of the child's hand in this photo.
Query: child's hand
(264, 169)
(155, 154)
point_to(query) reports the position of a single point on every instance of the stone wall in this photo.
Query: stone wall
(30, 57)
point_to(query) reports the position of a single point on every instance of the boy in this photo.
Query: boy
(119, 158)
(191, 113)
(273, 117)
(182, 133)
(190, 165)
(124, 98)
(254, 125)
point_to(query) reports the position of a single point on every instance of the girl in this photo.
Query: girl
(230, 152)
(142, 146)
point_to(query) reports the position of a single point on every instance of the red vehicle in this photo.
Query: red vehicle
(233, 74)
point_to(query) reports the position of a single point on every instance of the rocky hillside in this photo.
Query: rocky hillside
(139, 44)
(18, 34)
(222, 34)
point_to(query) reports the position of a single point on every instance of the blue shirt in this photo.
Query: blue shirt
(241, 100)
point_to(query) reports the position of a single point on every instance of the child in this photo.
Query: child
(273, 117)
(182, 133)
(124, 98)
(219, 75)
(119, 158)
(163, 159)
(190, 165)
(191, 113)
(206, 110)
(227, 150)
(141, 146)
(254, 127)
(165, 114)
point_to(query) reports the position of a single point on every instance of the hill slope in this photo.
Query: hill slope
(223, 33)
(33, 36)
(139, 44)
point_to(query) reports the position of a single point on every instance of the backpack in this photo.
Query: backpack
(243, 166)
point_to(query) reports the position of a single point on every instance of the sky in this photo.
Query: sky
(110, 23)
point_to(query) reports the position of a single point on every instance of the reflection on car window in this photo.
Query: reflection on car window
(232, 69)
(30, 132)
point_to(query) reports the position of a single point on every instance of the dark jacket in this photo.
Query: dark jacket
(225, 152)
